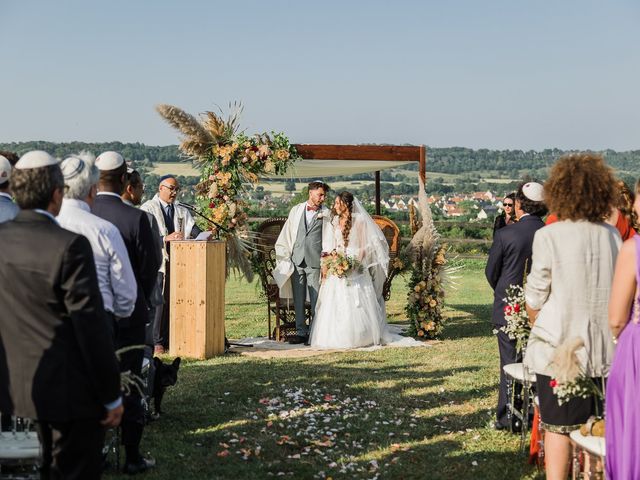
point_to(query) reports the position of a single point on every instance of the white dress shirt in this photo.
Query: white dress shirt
(115, 275)
(309, 214)
(8, 209)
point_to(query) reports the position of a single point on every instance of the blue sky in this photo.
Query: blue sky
(479, 74)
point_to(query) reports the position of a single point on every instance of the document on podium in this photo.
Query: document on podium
(203, 236)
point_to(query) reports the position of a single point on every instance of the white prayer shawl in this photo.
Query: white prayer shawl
(284, 246)
(181, 215)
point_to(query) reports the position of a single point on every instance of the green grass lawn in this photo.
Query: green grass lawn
(399, 413)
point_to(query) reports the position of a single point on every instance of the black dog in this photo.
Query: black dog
(165, 375)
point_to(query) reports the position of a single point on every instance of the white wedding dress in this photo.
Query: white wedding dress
(350, 311)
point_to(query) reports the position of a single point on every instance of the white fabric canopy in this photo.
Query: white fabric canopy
(335, 168)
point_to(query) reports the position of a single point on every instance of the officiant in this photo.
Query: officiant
(298, 250)
(175, 222)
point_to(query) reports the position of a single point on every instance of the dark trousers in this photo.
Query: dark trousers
(304, 278)
(133, 417)
(507, 349)
(155, 308)
(71, 450)
(161, 321)
(112, 325)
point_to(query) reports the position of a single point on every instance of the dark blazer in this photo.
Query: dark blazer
(500, 222)
(136, 232)
(510, 252)
(58, 351)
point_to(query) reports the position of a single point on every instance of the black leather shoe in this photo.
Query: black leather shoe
(298, 340)
(516, 427)
(139, 467)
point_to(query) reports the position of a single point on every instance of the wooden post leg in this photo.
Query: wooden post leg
(378, 196)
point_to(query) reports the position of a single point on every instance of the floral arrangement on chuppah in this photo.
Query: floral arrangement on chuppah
(427, 255)
(228, 158)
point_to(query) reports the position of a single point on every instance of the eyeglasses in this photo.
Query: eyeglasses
(171, 188)
(508, 204)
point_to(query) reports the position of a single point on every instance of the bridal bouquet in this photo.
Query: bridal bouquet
(339, 264)
(518, 327)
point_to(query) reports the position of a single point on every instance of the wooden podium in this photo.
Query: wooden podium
(197, 279)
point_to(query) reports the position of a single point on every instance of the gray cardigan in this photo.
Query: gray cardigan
(570, 281)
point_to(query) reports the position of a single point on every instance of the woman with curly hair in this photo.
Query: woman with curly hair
(623, 415)
(622, 215)
(567, 294)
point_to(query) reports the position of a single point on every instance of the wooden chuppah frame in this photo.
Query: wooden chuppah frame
(395, 153)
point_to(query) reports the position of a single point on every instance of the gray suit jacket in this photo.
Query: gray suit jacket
(308, 244)
(8, 209)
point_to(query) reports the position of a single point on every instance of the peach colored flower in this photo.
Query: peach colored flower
(264, 150)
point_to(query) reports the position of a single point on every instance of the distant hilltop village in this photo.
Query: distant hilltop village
(454, 205)
(478, 205)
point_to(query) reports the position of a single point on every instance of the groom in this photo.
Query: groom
(298, 249)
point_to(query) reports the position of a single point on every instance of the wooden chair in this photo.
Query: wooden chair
(392, 234)
(282, 310)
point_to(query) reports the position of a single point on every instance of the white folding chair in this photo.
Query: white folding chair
(517, 373)
(588, 455)
(20, 450)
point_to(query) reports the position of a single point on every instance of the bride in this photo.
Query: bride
(350, 311)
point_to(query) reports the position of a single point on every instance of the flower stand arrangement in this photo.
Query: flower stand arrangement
(228, 160)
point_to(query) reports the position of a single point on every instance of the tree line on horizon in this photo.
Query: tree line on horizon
(451, 160)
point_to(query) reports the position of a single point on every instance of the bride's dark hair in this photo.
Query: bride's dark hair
(347, 199)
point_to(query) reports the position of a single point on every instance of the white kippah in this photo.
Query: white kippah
(71, 167)
(109, 161)
(5, 170)
(533, 191)
(35, 159)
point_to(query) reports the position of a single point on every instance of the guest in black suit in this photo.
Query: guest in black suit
(136, 232)
(132, 196)
(59, 355)
(510, 254)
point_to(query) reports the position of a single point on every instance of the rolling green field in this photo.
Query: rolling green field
(175, 168)
(278, 188)
(396, 413)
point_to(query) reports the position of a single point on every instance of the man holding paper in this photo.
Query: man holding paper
(175, 222)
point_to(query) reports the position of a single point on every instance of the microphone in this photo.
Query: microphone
(186, 205)
(195, 210)
(180, 224)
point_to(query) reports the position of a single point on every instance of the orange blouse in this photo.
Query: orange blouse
(623, 225)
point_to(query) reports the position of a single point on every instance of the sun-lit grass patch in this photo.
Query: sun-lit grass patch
(406, 413)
